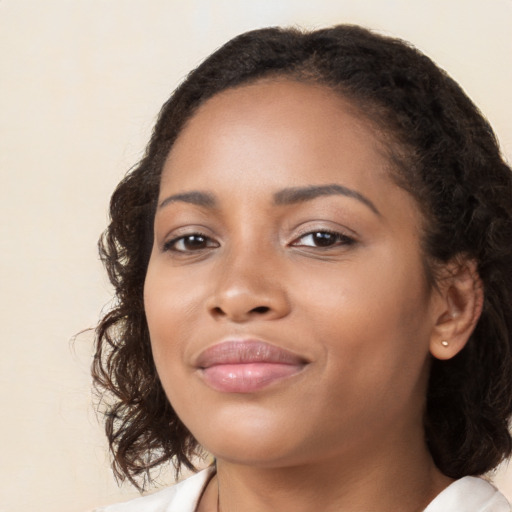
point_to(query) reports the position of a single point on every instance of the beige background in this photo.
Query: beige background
(81, 83)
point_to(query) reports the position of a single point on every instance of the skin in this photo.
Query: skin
(359, 310)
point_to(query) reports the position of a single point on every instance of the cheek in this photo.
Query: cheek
(382, 285)
(373, 312)
(170, 305)
(375, 347)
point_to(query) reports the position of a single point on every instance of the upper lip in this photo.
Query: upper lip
(246, 351)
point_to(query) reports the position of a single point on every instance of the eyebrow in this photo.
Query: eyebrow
(301, 194)
(194, 197)
(286, 196)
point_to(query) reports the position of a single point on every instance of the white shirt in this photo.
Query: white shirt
(469, 494)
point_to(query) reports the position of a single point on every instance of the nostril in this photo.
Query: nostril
(218, 311)
(260, 309)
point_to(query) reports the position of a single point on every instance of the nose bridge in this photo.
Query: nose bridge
(248, 283)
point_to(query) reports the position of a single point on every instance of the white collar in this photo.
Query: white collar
(469, 494)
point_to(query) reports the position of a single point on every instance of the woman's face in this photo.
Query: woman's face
(288, 308)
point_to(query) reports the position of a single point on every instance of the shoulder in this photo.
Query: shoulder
(182, 497)
(470, 494)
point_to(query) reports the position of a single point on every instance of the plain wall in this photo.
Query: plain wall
(81, 82)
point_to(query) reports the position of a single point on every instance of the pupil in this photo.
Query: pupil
(194, 241)
(323, 239)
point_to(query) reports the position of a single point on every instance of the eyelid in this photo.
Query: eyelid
(184, 231)
(169, 245)
(343, 240)
(311, 227)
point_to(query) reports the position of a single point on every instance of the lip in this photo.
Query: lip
(246, 366)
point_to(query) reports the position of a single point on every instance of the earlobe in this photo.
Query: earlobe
(460, 303)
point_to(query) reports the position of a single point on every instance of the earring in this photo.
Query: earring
(444, 343)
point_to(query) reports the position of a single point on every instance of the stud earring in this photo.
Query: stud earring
(444, 343)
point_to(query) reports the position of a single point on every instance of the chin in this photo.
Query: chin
(247, 440)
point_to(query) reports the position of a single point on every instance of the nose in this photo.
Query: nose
(249, 289)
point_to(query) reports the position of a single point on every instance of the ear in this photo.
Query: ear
(458, 308)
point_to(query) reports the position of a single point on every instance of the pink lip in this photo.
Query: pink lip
(246, 366)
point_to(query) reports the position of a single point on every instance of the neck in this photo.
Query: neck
(387, 478)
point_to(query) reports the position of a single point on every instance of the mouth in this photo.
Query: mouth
(247, 366)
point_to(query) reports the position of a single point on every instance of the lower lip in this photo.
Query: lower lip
(247, 377)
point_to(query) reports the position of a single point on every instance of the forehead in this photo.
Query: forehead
(278, 123)
(279, 98)
(245, 145)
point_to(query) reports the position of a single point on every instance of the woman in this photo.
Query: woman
(313, 264)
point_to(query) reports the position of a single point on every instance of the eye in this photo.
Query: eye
(323, 239)
(192, 242)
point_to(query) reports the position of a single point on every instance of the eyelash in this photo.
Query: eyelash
(208, 243)
(171, 244)
(339, 239)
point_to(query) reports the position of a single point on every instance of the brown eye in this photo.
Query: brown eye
(323, 239)
(190, 243)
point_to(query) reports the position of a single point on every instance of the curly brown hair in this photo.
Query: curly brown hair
(446, 156)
